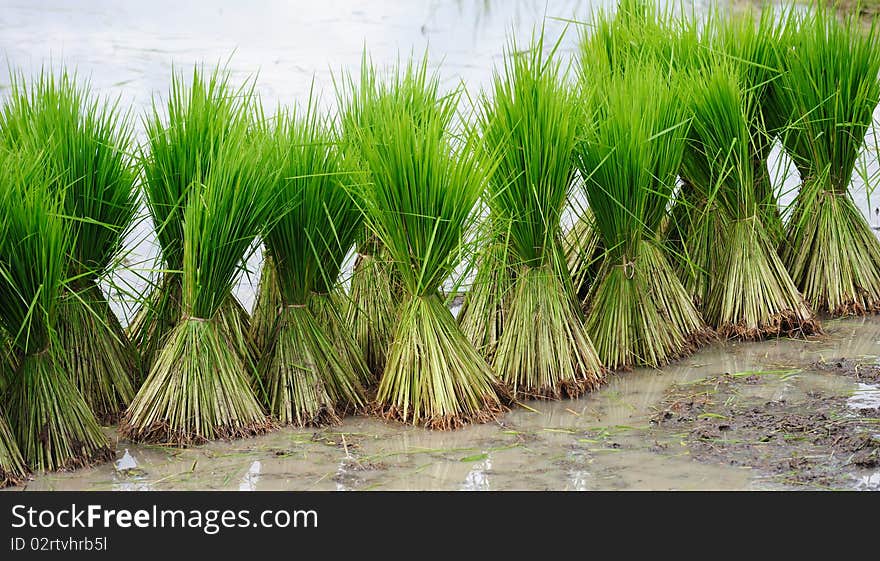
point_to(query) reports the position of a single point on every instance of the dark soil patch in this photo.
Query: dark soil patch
(854, 369)
(817, 442)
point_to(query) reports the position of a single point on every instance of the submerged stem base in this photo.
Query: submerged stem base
(309, 383)
(832, 253)
(641, 315)
(544, 351)
(54, 426)
(434, 377)
(198, 390)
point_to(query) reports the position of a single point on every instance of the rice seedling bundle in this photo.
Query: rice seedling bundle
(748, 45)
(543, 350)
(87, 145)
(420, 203)
(201, 116)
(828, 92)
(750, 294)
(53, 425)
(638, 31)
(312, 367)
(639, 314)
(13, 469)
(200, 386)
(376, 289)
(485, 305)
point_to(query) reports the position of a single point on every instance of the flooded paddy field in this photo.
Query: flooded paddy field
(783, 414)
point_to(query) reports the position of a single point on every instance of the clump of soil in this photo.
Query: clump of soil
(858, 371)
(817, 441)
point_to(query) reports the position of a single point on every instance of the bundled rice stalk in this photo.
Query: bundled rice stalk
(421, 205)
(583, 251)
(329, 304)
(13, 469)
(53, 425)
(485, 305)
(750, 43)
(750, 294)
(543, 350)
(372, 311)
(87, 145)
(828, 92)
(199, 387)
(638, 31)
(749, 46)
(312, 367)
(638, 312)
(184, 145)
(376, 289)
(266, 305)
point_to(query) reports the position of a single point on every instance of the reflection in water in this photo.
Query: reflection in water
(126, 476)
(866, 396)
(580, 480)
(477, 478)
(126, 462)
(252, 477)
(869, 482)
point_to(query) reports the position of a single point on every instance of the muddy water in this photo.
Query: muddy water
(597, 442)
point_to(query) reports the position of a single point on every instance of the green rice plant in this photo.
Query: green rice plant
(199, 386)
(487, 302)
(375, 287)
(311, 366)
(266, 305)
(13, 470)
(527, 120)
(636, 31)
(420, 203)
(638, 313)
(53, 425)
(183, 143)
(87, 145)
(639, 30)
(828, 92)
(374, 294)
(749, 45)
(750, 294)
